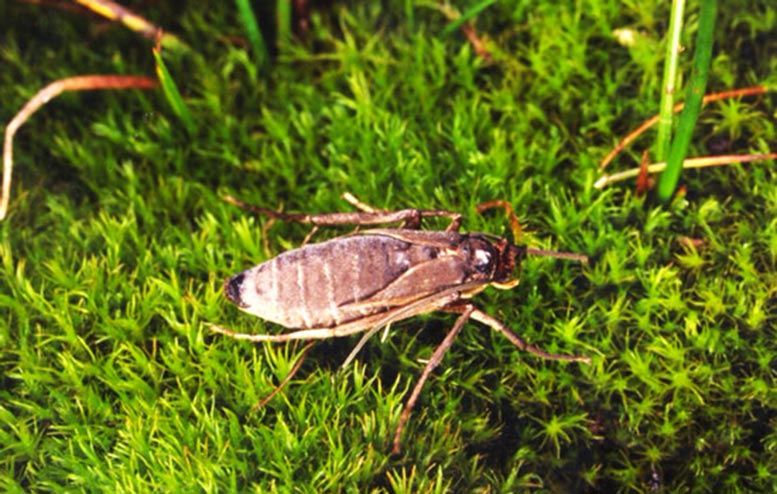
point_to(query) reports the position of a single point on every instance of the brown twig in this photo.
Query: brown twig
(703, 162)
(115, 12)
(632, 136)
(468, 29)
(286, 379)
(78, 83)
(643, 179)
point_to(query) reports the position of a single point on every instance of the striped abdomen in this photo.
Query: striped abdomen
(327, 284)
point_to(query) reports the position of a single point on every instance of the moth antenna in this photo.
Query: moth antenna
(515, 225)
(558, 255)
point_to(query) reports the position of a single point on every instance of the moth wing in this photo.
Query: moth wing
(419, 282)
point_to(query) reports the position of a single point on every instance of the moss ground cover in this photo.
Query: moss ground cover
(117, 242)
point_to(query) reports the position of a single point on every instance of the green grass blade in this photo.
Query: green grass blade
(409, 16)
(172, 94)
(254, 34)
(670, 79)
(693, 100)
(466, 16)
(283, 16)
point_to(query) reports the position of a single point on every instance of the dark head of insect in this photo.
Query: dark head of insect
(509, 257)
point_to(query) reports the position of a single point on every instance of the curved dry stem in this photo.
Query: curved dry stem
(78, 83)
(632, 136)
(132, 21)
(703, 162)
(286, 379)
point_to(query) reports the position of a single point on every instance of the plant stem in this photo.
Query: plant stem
(693, 100)
(670, 79)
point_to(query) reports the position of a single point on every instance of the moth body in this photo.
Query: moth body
(348, 278)
(366, 281)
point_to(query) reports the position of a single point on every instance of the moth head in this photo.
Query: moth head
(510, 259)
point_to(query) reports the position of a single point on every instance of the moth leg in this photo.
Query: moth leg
(411, 223)
(437, 301)
(423, 305)
(303, 334)
(434, 360)
(410, 218)
(360, 345)
(353, 327)
(516, 340)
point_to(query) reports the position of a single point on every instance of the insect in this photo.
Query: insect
(367, 280)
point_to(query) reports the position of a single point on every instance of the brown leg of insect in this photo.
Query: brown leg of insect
(303, 334)
(286, 379)
(411, 218)
(438, 301)
(413, 223)
(516, 340)
(433, 362)
(427, 304)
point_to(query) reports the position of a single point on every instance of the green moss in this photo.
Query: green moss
(117, 242)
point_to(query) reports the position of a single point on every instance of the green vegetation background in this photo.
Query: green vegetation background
(117, 243)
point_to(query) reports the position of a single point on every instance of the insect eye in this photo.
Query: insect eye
(482, 260)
